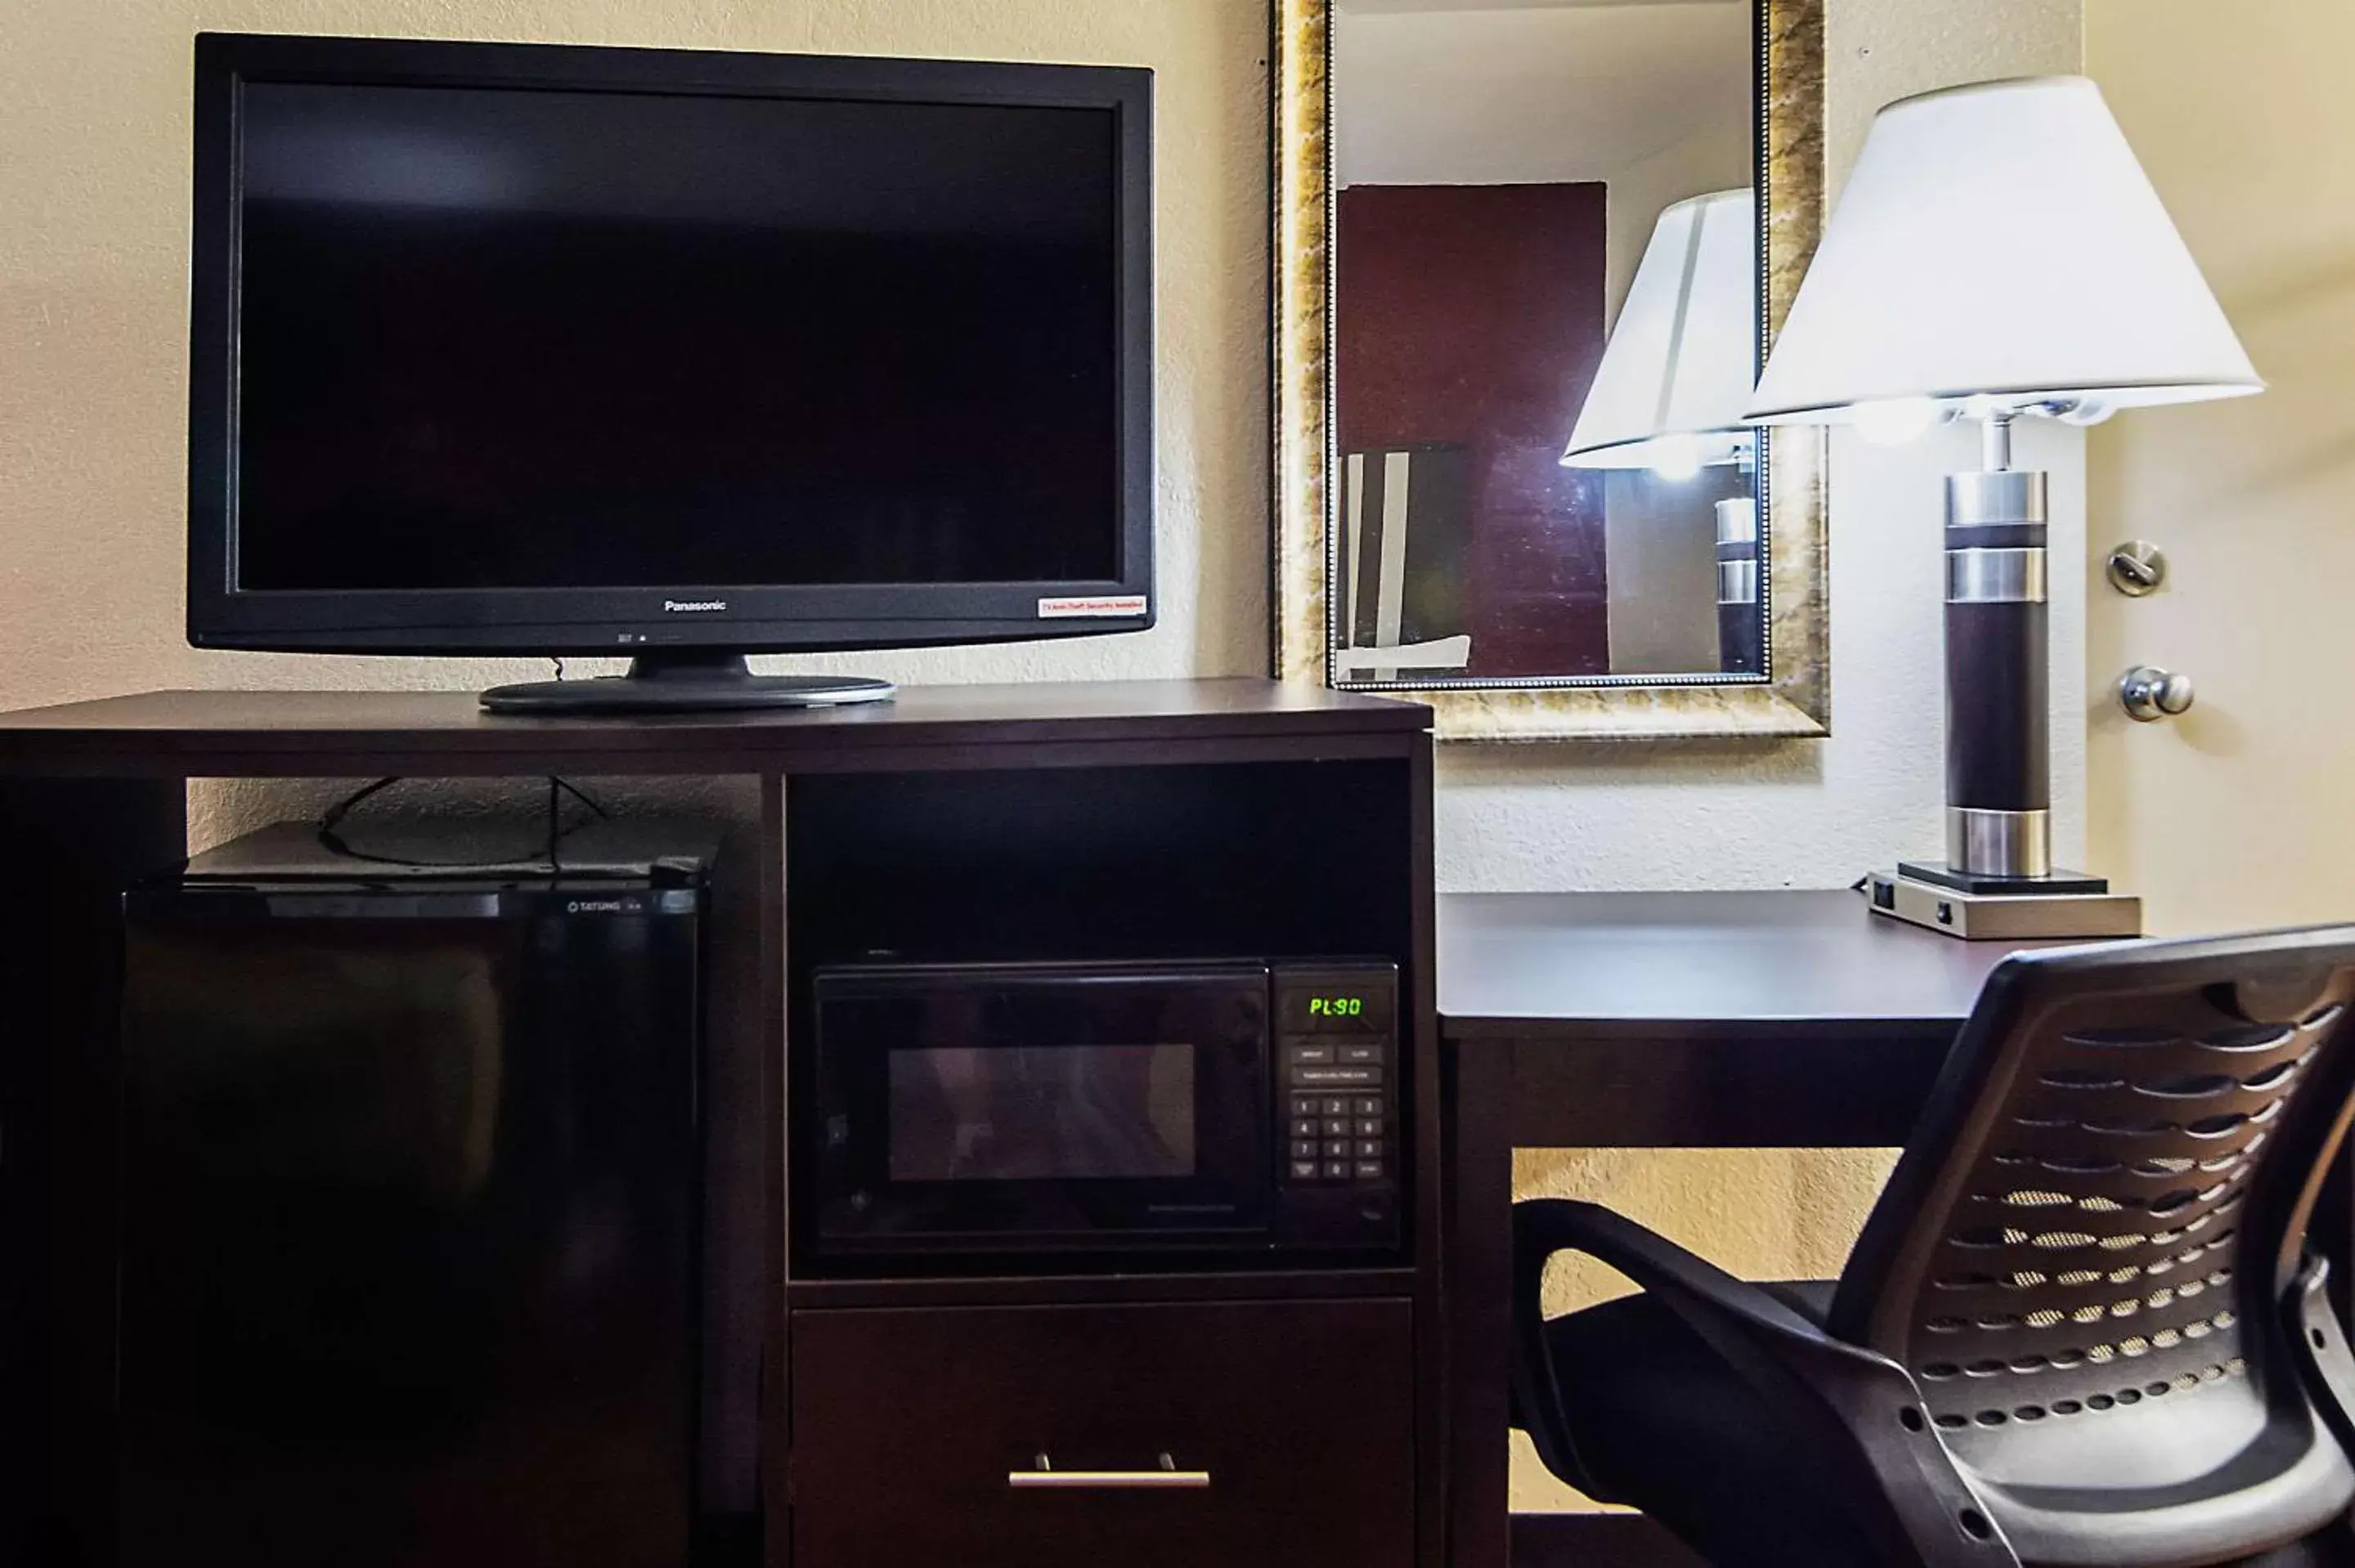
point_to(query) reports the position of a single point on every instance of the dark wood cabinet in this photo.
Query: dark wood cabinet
(851, 1416)
(918, 1436)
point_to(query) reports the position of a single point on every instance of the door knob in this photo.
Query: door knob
(2148, 693)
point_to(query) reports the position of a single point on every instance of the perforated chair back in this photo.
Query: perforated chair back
(2087, 1254)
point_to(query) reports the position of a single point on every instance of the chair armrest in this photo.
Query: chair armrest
(1690, 1285)
(2318, 1348)
(1858, 1408)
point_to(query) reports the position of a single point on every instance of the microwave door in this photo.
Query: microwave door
(1047, 1111)
(1043, 1113)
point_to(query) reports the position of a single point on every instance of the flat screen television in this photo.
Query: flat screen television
(682, 356)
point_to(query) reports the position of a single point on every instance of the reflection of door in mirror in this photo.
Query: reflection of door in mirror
(1545, 328)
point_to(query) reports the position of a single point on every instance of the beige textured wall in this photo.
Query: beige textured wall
(94, 223)
(2236, 815)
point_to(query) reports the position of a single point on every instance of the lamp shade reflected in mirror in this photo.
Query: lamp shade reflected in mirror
(1664, 415)
(1680, 364)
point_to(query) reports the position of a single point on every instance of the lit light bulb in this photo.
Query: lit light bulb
(1897, 421)
(2086, 411)
(1677, 459)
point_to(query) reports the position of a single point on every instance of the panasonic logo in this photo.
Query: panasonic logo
(693, 605)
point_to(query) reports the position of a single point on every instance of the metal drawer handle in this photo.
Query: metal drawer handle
(1168, 1479)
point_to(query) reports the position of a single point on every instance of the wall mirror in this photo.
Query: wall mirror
(1528, 257)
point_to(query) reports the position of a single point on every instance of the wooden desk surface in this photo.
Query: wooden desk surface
(1530, 965)
(1740, 1020)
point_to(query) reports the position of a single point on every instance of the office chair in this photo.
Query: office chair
(2081, 1327)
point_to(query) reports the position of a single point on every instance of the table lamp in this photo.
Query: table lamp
(1679, 368)
(1998, 251)
(1677, 374)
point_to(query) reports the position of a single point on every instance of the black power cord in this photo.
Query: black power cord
(332, 820)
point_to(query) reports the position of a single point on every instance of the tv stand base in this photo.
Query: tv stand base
(686, 682)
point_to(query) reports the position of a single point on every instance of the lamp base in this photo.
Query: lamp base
(2057, 907)
(1987, 884)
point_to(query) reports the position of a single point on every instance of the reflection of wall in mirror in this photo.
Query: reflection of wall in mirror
(1662, 538)
(1644, 104)
(1715, 157)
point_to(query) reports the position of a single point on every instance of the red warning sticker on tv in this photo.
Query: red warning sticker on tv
(1116, 604)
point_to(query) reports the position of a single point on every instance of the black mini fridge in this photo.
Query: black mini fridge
(409, 1172)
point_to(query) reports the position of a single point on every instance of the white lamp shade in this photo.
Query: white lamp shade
(1683, 358)
(2001, 243)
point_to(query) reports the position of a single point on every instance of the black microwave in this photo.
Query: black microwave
(1232, 1108)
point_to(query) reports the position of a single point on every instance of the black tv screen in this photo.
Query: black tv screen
(567, 350)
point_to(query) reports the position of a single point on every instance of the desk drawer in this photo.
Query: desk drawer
(1288, 1428)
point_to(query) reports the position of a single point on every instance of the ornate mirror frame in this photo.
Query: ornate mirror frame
(1793, 697)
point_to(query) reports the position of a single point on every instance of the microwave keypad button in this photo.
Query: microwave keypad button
(1333, 1107)
(1307, 1127)
(1311, 1055)
(1338, 1126)
(1338, 1169)
(1304, 1170)
(1370, 1105)
(1361, 1055)
(1370, 1148)
(1369, 1126)
(1307, 1104)
(1339, 1077)
(1305, 1149)
(1370, 1169)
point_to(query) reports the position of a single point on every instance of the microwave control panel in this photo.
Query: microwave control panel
(1338, 1070)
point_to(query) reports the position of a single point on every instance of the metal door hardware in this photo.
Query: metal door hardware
(2148, 693)
(2136, 568)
